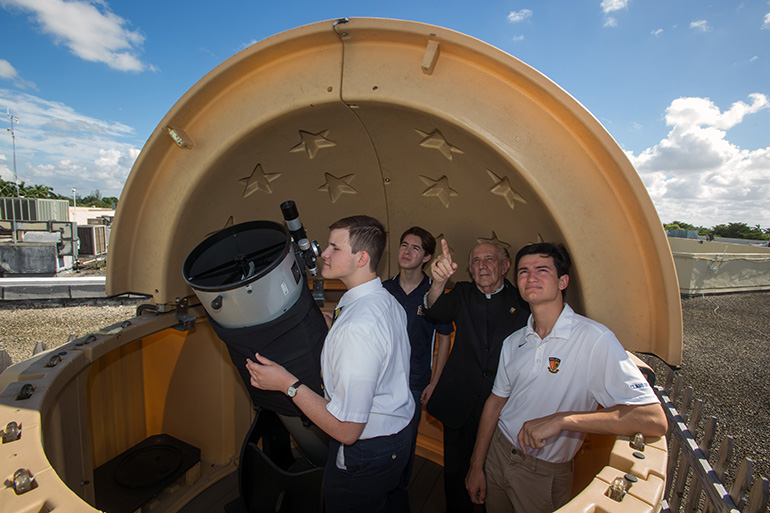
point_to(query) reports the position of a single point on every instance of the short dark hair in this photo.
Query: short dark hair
(560, 255)
(365, 234)
(427, 240)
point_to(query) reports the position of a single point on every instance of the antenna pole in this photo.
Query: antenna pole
(14, 119)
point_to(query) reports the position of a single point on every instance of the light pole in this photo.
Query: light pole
(14, 119)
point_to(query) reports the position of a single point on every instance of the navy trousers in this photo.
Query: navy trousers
(374, 479)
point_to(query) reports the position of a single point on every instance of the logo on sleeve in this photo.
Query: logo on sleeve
(553, 364)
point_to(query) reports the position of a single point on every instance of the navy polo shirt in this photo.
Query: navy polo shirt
(422, 330)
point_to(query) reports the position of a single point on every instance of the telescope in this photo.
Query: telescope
(251, 279)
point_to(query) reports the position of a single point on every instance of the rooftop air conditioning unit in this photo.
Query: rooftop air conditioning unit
(93, 239)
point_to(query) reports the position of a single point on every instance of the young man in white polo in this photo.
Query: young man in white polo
(367, 406)
(552, 376)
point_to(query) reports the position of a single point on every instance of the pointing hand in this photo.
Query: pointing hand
(443, 268)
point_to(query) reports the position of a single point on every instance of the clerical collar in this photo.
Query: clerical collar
(489, 296)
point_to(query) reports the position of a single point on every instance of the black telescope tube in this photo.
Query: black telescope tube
(291, 215)
(307, 251)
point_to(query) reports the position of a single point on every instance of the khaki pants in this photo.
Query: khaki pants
(523, 484)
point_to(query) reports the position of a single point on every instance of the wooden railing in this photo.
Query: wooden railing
(692, 484)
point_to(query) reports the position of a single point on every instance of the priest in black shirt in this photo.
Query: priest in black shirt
(485, 311)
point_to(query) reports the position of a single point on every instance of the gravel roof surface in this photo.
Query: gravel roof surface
(726, 345)
(23, 325)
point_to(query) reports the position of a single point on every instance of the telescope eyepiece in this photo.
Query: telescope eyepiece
(289, 210)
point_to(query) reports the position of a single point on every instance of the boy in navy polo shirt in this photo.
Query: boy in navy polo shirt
(409, 286)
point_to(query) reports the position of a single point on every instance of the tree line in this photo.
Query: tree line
(729, 230)
(94, 199)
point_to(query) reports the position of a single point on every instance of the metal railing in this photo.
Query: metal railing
(692, 484)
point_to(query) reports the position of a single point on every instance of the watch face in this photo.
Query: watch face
(292, 390)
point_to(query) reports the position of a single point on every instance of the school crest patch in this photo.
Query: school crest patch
(553, 364)
(336, 314)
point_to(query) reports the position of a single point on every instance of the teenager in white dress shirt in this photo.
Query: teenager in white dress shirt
(367, 404)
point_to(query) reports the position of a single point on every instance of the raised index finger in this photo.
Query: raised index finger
(445, 249)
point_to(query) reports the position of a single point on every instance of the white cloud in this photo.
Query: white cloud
(8, 72)
(59, 147)
(89, 29)
(766, 23)
(6, 171)
(657, 32)
(697, 175)
(702, 112)
(701, 25)
(517, 16)
(609, 6)
(246, 45)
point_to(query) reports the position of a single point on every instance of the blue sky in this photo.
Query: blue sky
(682, 85)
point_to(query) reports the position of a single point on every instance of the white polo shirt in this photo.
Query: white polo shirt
(365, 361)
(578, 366)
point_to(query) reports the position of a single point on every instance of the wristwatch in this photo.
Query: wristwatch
(292, 390)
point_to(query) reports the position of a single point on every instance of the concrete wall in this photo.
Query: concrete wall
(28, 259)
(714, 267)
(81, 215)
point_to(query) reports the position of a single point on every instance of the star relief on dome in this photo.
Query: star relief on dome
(435, 140)
(313, 143)
(494, 240)
(258, 181)
(336, 187)
(439, 188)
(502, 187)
